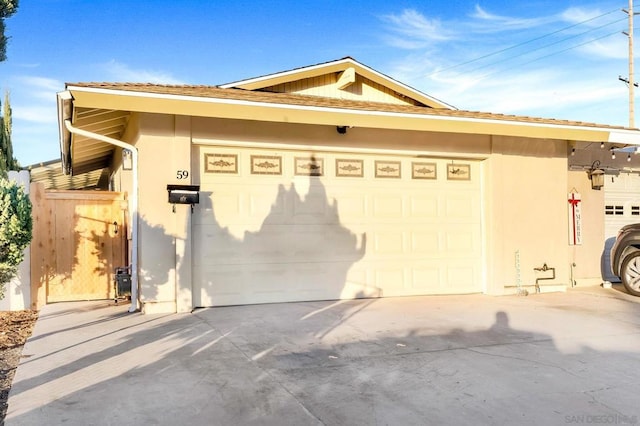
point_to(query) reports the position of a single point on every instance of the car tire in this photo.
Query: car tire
(630, 273)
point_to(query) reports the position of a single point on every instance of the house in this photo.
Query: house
(335, 181)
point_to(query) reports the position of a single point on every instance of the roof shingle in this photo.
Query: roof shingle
(215, 92)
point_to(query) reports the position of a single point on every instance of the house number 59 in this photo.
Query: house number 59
(182, 174)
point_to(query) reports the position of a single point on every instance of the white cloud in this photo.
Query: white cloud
(485, 22)
(555, 71)
(40, 87)
(123, 73)
(414, 30)
(613, 48)
(35, 113)
(587, 16)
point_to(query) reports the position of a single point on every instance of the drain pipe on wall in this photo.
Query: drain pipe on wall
(134, 203)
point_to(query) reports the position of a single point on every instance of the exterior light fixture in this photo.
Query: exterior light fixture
(596, 174)
(613, 154)
(601, 145)
(127, 160)
(629, 158)
(573, 151)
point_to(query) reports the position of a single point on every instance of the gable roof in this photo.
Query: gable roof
(346, 66)
(211, 94)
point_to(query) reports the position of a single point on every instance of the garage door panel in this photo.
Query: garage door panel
(269, 283)
(426, 243)
(264, 201)
(385, 207)
(391, 242)
(426, 279)
(314, 205)
(350, 207)
(461, 208)
(424, 207)
(459, 242)
(227, 282)
(215, 245)
(277, 238)
(461, 277)
(276, 244)
(392, 280)
(223, 204)
(358, 283)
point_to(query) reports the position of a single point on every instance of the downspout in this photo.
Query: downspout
(134, 203)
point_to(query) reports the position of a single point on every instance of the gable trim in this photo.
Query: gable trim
(337, 66)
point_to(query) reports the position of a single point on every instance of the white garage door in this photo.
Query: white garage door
(276, 226)
(621, 207)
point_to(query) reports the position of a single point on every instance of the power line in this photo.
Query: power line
(549, 55)
(549, 45)
(521, 44)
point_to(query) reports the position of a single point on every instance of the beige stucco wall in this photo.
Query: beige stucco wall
(526, 214)
(525, 185)
(163, 149)
(211, 130)
(587, 256)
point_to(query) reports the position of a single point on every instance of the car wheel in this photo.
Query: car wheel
(630, 273)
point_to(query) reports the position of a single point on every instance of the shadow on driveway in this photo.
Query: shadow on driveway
(542, 359)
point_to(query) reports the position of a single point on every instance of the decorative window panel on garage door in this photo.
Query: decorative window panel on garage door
(295, 226)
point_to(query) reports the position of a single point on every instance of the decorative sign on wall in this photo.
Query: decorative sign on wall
(266, 165)
(575, 219)
(424, 170)
(221, 163)
(458, 172)
(388, 169)
(305, 166)
(349, 168)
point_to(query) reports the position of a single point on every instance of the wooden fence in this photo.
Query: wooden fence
(79, 238)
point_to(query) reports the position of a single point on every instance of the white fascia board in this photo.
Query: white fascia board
(285, 73)
(64, 103)
(622, 136)
(410, 89)
(627, 137)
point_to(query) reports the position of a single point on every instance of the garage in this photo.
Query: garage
(335, 181)
(278, 225)
(621, 207)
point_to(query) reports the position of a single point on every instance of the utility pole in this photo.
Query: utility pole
(630, 81)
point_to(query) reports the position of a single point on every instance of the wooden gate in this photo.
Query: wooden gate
(79, 238)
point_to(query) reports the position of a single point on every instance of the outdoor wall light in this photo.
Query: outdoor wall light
(341, 129)
(596, 174)
(127, 160)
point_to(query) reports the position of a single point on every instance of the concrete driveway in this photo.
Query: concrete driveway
(563, 358)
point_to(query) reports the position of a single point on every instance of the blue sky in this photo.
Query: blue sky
(558, 59)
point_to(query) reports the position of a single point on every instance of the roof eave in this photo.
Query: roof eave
(322, 115)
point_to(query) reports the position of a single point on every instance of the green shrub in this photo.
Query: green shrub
(15, 229)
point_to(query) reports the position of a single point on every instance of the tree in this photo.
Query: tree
(15, 229)
(7, 8)
(7, 160)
